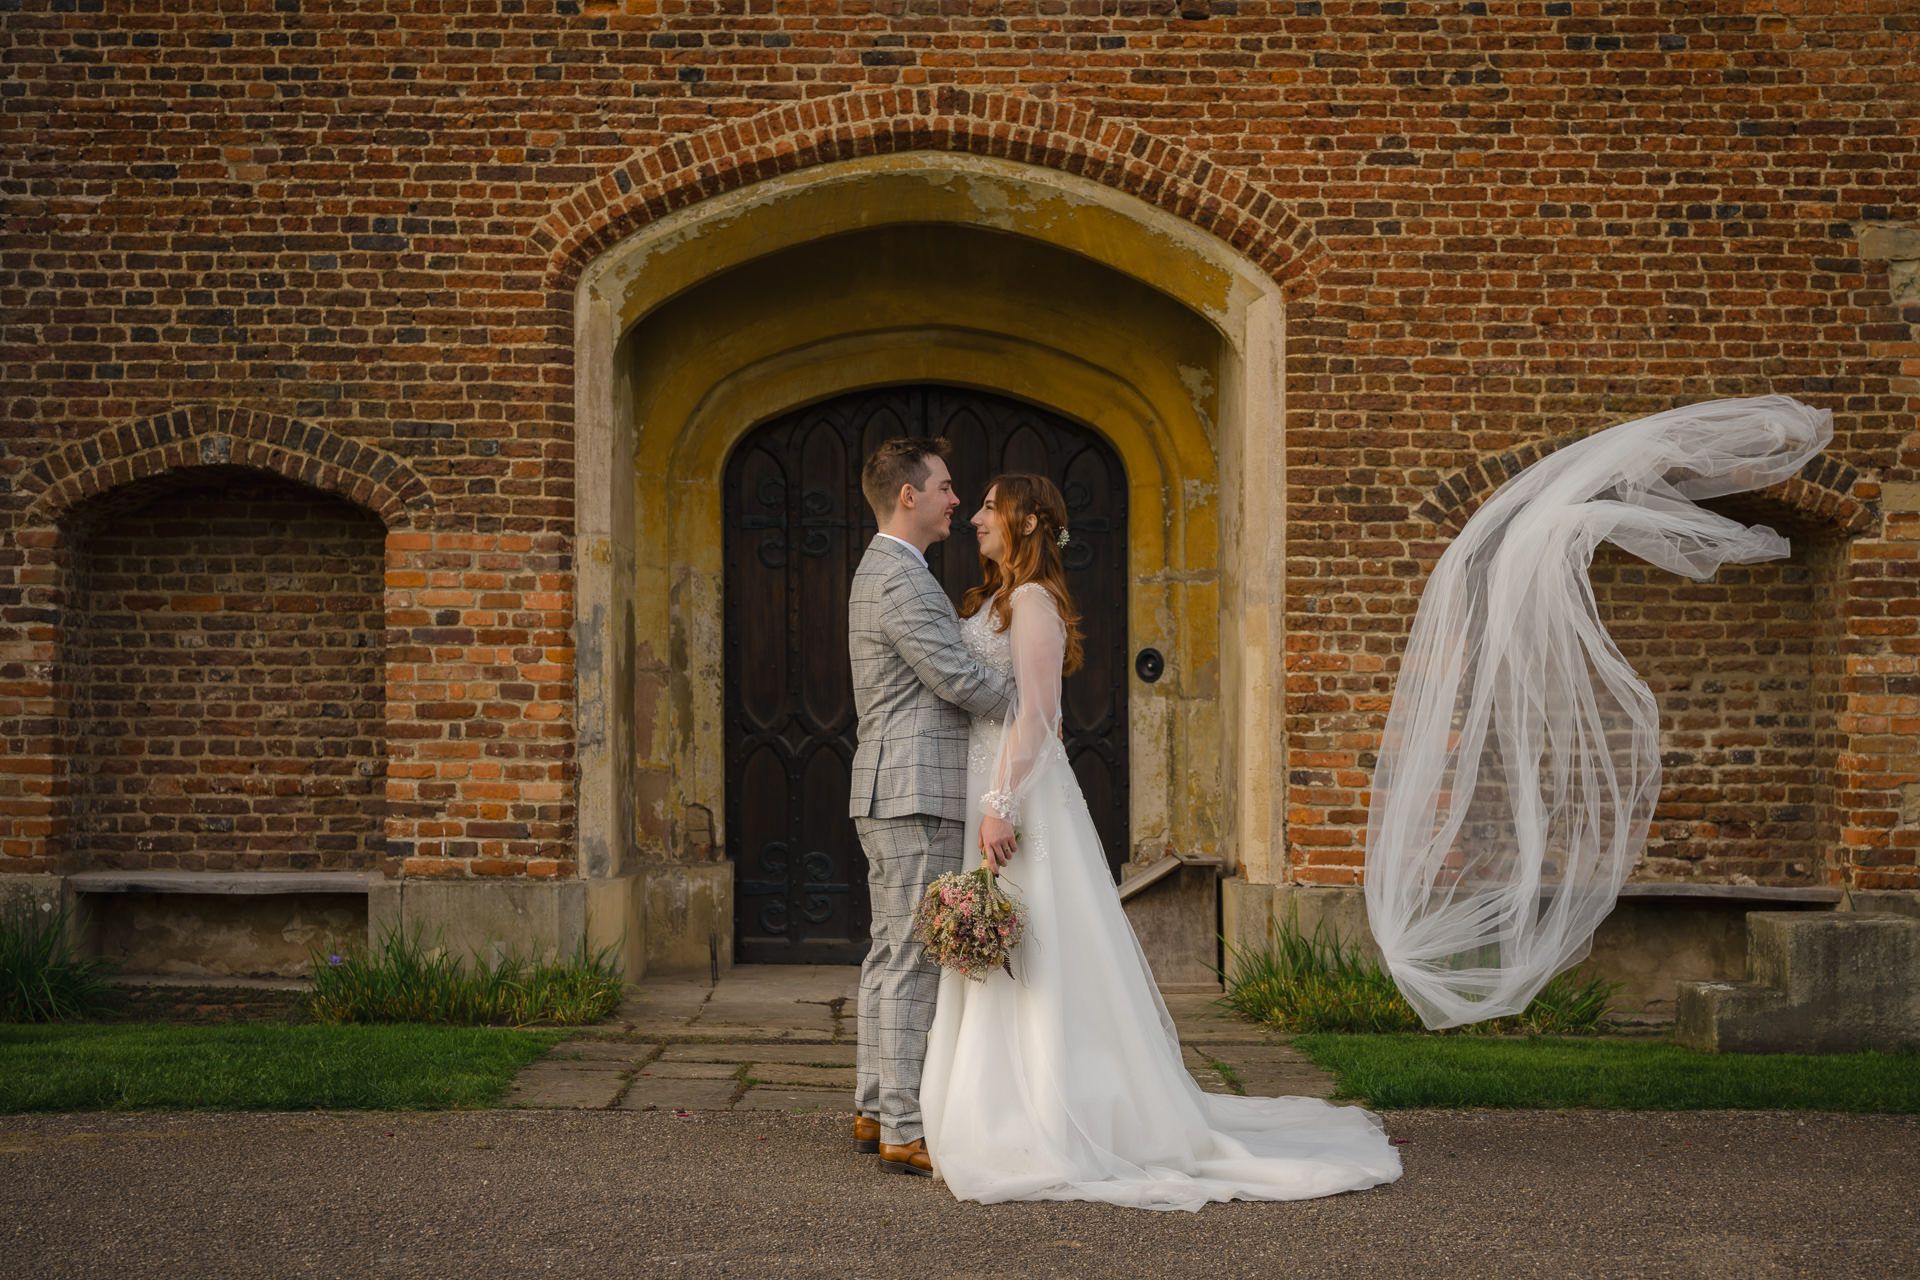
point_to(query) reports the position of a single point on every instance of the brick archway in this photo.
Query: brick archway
(1823, 492)
(1791, 664)
(658, 180)
(34, 781)
(218, 435)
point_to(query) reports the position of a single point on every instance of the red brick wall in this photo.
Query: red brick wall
(1744, 677)
(1499, 222)
(224, 649)
(479, 677)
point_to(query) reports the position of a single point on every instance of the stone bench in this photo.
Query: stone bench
(1811, 895)
(1659, 935)
(223, 883)
(219, 924)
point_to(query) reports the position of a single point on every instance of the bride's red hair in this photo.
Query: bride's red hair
(1031, 557)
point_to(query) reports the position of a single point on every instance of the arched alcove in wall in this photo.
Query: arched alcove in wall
(222, 658)
(922, 268)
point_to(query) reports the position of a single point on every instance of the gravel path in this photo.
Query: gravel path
(755, 1194)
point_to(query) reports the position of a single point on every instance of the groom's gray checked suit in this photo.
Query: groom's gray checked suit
(914, 687)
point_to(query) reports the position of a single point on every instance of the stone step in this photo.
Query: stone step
(1816, 983)
(1804, 955)
(1173, 905)
(1725, 1017)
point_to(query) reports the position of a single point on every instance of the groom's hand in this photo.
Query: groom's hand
(996, 841)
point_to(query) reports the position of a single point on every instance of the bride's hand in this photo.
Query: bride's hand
(996, 841)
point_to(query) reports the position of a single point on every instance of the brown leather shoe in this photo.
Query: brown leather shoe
(906, 1157)
(866, 1134)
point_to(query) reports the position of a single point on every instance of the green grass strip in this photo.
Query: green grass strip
(1399, 1071)
(260, 1067)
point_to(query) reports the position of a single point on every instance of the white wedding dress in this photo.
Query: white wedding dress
(1065, 1082)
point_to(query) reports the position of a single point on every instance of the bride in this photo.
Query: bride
(1065, 1082)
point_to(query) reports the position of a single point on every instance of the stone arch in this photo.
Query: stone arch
(656, 181)
(1823, 492)
(218, 435)
(1199, 438)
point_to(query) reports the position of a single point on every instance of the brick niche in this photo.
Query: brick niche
(224, 652)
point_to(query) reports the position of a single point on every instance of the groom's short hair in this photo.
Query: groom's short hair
(898, 462)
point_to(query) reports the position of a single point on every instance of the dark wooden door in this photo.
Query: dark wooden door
(796, 527)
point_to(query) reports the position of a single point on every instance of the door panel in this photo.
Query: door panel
(796, 527)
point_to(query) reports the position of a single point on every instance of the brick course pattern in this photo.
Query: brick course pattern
(1499, 225)
(225, 642)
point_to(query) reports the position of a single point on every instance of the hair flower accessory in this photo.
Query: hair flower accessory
(1062, 539)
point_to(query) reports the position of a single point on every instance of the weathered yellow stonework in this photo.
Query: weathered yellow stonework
(924, 267)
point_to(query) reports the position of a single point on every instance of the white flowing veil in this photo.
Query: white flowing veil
(1520, 763)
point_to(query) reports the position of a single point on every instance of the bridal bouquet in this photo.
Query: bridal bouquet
(967, 923)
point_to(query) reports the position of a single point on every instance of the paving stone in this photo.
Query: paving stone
(657, 1002)
(1265, 1055)
(1199, 1020)
(591, 1051)
(778, 1000)
(804, 1077)
(1300, 1085)
(795, 1026)
(692, 1095)
(833, 1055)
(689, 1071)
(1202, 1070)
(1262, 1071)
(788, 1098)
(769, 1018)
(567, 1086)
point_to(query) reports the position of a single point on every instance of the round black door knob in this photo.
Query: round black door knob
(1149, 664)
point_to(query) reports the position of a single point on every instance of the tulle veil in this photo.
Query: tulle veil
(1520, 763)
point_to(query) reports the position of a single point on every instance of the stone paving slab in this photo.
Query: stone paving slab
(648, 1094)
(1201, 1068)
(584, 1050)
(689, 1044)
(549, 1084)
(690, 1071)
(752, 1002)
(823, 1055)
(1314, 1086)
(804, 1077)
(781, 1098)
(1205, 1025)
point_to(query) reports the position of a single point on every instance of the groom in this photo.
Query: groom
(914, 686)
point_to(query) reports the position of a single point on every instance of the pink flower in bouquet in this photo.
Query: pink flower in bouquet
(967, 923)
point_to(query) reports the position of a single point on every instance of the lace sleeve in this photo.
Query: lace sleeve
(1039, 642)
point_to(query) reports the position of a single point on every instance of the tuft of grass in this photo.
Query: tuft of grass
(43, 978)
(1227, 1074)
(398, 979)
(1390, 1072)
(258, 1067)
(1308, 982)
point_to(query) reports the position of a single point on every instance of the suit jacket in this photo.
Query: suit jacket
(914, 687)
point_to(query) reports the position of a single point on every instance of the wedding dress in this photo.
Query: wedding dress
(1065, 1081)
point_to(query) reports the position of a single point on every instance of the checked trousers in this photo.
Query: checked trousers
(898, 983)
